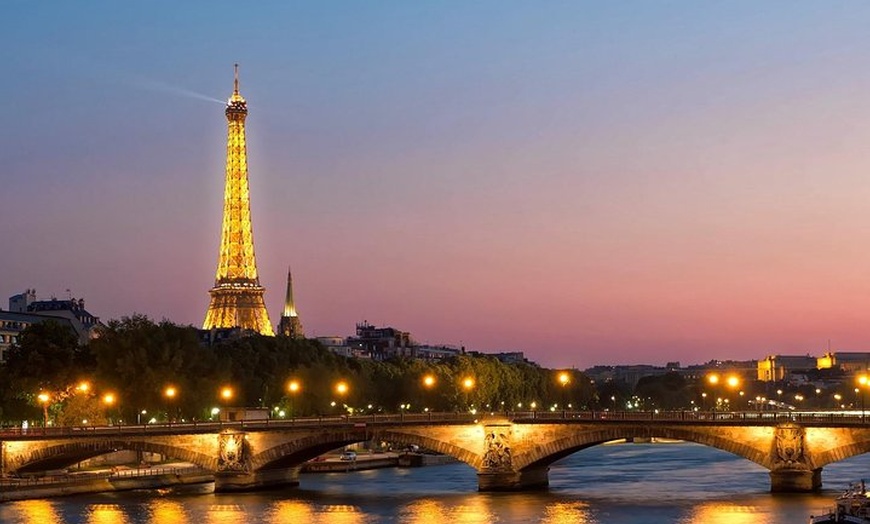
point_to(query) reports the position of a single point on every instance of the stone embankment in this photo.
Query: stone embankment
(63, 485)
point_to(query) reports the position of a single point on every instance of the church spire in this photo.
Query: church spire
(290, 325)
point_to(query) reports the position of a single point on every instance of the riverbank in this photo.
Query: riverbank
(61, 486)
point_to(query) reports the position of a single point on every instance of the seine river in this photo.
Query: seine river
(625, 483)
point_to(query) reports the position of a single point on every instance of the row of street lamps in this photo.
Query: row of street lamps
(293, 387)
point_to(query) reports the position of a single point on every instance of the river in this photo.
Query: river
(627, 483)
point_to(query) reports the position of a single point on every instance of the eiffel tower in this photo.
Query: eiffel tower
(237, 296)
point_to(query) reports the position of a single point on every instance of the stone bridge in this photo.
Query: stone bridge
(509, 451)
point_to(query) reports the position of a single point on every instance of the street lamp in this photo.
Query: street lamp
(341, 389)
(564, 379)
(293, 388)
(44, 398)
(862, 384)
(169, 393)
(109, 400)
(467, 386)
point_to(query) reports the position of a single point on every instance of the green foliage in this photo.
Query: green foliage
(668, 391)
(136, 359)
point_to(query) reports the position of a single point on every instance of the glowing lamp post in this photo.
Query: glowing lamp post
(564, 381)
(862, 384)
(341, 389)
(109, 400)
(428, 384)
(467, 386)
(293, 388)
(169, 394)
(44, 398)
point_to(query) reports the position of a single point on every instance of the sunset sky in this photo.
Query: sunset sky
(587, 182)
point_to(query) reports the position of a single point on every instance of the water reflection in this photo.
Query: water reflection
(37, 512)
(342, 514)
(290, 511)
(567, 513)
(726, 513)
(167, 512)
(106, 514)
(224, 514)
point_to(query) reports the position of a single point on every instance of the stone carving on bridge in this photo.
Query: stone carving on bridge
(232, 452)
(497, 448)
(789, 447)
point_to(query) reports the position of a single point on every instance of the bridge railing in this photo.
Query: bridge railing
(737, 417)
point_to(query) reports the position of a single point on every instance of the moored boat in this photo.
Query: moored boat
(853, 506)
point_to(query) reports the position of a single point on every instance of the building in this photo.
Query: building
(777, 368)
(291, 325)
(381, 343)
(848, 361)
(237, 296)
(25, 310)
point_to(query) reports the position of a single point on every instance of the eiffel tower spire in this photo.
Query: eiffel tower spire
(237, 296)
(291, 325)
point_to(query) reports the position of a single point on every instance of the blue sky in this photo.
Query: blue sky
(588, 182)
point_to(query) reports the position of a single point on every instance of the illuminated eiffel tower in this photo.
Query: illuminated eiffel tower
(237, 296)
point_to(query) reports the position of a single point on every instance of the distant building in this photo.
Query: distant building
(848, 361)
(381, 343)
(776, 368)
(25, 310)
(13, 323)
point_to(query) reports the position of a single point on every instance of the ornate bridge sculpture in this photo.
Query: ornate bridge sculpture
(510, 451)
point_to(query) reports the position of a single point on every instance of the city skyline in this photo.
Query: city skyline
(587, 183)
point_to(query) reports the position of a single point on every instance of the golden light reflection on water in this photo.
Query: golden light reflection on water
(38, 512)
(724, 513)
(290, 511)
(426, 511)
(224, 514)
(296, 512)
(106, 514)
(567, 513)
(341, 514)
(168, 512)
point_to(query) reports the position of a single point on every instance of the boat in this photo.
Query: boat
(853, 506)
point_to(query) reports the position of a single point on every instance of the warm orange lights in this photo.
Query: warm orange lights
(564, 378)
(429, 381)
(109, 399)
(733, 381)
(342, 388)
(468, 383)
(713, 379)
(227, 393)
(294, 386)
(43, 397)
(170, 392)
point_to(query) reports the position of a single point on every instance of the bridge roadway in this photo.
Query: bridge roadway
(509, 450)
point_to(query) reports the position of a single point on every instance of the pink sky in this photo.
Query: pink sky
(588, 185)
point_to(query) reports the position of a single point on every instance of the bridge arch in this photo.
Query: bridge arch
(294, 452)
(64, 454)
(547, 453)
(851, 448)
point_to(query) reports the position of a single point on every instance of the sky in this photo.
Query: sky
(587, 182)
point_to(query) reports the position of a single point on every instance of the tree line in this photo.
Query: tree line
(135, 360)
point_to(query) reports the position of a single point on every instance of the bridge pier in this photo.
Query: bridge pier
(513, 480)
(795, 480)
(226, 482)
